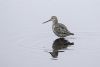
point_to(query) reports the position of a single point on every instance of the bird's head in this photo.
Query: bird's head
(53, 18)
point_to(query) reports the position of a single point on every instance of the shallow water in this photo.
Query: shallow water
(30, 50)
(26, 42)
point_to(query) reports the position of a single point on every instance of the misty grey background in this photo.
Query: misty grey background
(25, 41)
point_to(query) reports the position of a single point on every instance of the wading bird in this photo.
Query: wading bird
(58, 28)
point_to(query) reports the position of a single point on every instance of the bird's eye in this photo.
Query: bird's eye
(53, 19)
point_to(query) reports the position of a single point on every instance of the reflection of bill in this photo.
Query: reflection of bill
(59, 44)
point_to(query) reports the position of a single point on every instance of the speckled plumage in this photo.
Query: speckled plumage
(58, 28)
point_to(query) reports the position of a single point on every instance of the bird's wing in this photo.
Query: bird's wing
(61, 29)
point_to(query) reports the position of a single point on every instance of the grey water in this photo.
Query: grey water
(26, 42)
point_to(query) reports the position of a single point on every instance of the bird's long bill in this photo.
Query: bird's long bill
(46, 21)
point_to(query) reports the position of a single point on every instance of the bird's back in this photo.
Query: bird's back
(60, 30)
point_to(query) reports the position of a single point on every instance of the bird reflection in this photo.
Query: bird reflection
(58, 45)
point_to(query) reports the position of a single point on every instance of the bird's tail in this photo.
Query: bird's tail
(71, 33)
